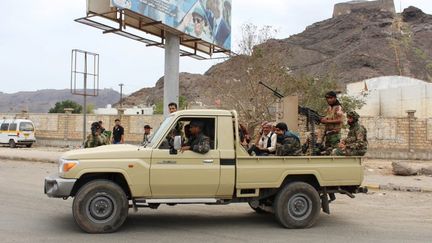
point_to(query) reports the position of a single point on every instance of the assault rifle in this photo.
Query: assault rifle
(312, 119)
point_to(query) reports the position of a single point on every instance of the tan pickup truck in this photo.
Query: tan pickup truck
(106, 181)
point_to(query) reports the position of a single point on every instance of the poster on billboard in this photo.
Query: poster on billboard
(208, 20)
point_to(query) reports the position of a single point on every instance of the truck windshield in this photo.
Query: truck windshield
(160, 131)
(26, 127)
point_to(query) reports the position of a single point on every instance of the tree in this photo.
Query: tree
(256, 104)
(61, 105)
(90, 108)
(252, 35)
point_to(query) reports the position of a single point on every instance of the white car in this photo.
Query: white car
(17, 132)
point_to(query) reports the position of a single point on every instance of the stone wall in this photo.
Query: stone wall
(398, 138)
(393, 138)
(348, 7)
(67, 129)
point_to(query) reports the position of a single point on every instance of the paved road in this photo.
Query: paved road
(27, 215)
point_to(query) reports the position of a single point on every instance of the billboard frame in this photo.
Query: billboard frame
(123, 19)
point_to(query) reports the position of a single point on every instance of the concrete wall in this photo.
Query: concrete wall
(394, 102)
(67, 129)
(348, 7)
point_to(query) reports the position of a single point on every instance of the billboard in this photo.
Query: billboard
(208, 20)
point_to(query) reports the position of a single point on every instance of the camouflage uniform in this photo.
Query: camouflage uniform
(332, 131)
(199, 143)
(356, 142)
(288, 145)
(95, 141)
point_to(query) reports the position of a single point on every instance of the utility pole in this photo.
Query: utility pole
(121, 95)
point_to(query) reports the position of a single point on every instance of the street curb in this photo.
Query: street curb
(28, 159)
(393, 187)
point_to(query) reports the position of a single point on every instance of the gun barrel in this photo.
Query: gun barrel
(275, 92)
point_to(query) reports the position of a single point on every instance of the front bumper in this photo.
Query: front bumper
(58, 187)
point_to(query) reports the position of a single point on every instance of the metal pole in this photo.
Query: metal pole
(85, 98)
(121, 95)
(171, 78)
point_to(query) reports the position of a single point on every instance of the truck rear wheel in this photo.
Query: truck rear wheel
(297, 205)
(100, 206)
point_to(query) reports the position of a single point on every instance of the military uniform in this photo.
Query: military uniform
(288, 145)
(356, 142)
(332, 131)
(199, 144)
(95, 141)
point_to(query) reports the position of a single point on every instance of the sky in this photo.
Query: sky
(37, 36)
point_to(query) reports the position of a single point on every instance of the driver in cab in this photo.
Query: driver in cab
(198, 142)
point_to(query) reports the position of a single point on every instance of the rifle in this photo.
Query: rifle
(312, 119)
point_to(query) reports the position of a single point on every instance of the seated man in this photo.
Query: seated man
(356, 142)
(266, 143)
(96, 138)
(288, 143)
(198, 142)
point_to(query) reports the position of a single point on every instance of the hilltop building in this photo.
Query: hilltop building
(348, 7)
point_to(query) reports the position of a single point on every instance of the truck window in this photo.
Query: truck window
(12, 127)
(26, 127)
(4, 127)
(182, 127)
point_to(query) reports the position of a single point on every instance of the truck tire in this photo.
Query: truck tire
(12, 143)
(29, 145)
(100, 206)
(297, 205)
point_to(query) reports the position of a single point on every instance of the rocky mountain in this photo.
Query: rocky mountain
(42, 100)
(349, 48)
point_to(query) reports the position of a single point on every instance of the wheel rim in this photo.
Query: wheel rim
(299, 206)
(101, 208)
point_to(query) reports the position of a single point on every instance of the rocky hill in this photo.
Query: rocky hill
(349, 48)
(42, 100)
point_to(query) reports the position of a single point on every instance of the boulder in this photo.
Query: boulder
(404, 168)
(426, 171)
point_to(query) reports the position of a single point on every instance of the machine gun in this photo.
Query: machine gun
(312, 119)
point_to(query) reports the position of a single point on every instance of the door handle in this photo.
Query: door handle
(208, 161)
(167, 162)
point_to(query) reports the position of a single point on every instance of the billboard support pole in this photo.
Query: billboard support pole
(172, 64)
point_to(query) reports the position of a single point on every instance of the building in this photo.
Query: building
(348, 7)
(109, 110)
(394, 96)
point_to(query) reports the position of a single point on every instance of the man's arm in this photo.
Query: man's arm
(203, 145)
(122, 135)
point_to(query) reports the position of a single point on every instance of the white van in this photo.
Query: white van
(17, 132)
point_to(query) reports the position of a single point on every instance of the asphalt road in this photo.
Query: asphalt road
(27, 215)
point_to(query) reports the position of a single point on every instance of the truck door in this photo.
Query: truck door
(188, 174)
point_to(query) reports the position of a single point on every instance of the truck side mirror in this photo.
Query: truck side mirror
(177, 145)
(177, 142)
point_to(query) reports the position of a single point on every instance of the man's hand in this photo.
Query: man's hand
(184, 148)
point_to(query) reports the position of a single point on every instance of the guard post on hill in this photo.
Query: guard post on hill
(197, 28)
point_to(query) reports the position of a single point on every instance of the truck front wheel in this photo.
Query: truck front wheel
(297, 205)
(100, 206)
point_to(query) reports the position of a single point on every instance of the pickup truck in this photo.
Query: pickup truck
(107, 181)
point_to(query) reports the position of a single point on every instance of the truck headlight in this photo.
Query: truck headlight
(67, 165)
